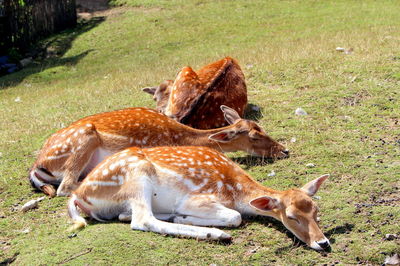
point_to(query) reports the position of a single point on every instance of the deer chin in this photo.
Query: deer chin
(283, 155)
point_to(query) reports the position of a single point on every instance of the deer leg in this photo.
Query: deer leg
(203, 210)
(143, 219)
(80, 156)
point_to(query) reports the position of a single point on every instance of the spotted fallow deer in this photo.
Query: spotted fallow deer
(192, 187)
(193, 98)
(69, 154)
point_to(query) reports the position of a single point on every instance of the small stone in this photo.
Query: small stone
(18, 99)
(300, 111)
(26, 61)
(345, 117)
(25, 231)
(272, 173)
(255, 108)
(344, 50)
(348, 51)
(310, 165)
(392, 260)
(293, 140)
(248, 66)
(72, 235)
(394, 164)
(390, 237)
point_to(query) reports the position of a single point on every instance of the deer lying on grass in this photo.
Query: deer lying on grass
(192, 187)
(193, 97)
(71, 153)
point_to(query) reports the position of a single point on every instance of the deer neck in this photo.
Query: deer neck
(252, 190)
(198, 137)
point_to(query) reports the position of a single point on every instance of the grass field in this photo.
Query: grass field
(287, 52)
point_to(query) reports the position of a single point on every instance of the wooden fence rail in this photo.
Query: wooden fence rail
(22, 22)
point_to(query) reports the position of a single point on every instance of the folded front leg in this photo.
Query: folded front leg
(144, 219)
(204, 210)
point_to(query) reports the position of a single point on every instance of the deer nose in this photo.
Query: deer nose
(324, 244)
(286, 152)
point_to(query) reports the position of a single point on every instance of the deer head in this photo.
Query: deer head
(193, 98)
(297, 211)
(160, 94)
(247, 133)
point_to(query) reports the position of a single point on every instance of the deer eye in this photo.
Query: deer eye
(291, 217)
(255, 135)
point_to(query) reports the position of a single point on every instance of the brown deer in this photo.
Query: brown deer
(69, 154)
(193, 98)
(193, 187)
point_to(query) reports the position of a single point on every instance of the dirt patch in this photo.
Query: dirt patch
(112, 12)
(356, 98)
(383, 198)
(394, 123)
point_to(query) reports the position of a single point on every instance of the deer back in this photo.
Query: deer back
(195, 98)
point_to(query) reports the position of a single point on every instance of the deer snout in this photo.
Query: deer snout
(321, 244)
(285, 153)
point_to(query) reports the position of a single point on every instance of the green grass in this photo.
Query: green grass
(287, 52)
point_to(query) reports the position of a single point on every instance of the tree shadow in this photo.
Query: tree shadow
(91, 5)
(49, 53)
(253, 112)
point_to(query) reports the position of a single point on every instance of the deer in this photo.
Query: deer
(180, 190)
(192, 98)
(72, 152)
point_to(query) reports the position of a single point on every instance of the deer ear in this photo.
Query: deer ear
(231, 116)
(150, 90)
(223, 136)
(265, 203)
(312, 187)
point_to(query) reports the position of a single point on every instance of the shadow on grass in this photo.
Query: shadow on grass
(10, 260)
(272, 223)
(339, 230)
(268, 222)
(93, 222)
(251, 161)
(53, 49)
(253, 112)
